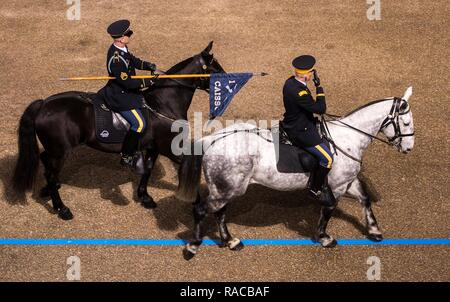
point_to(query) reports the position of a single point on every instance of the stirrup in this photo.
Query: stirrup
(134, 162)
(126, 160)
(315, 193)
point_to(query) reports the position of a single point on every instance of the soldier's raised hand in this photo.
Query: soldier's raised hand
(316, 79)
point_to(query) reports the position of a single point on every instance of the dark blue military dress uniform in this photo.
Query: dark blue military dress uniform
(299, 122)
(123, 94)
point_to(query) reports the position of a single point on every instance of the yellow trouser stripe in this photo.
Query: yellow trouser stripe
(327, 156)
(321, 94)
(141, 123)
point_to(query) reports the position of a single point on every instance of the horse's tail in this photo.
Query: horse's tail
(189, 175)
(28, 161)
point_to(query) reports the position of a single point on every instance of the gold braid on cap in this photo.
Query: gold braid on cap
(303, 71)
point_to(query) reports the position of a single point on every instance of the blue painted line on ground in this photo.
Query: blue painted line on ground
(177, 242)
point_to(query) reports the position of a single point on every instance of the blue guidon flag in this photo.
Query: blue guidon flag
(222, 88)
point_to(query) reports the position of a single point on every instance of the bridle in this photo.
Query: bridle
(392, 118)
(199, 60)
(204, 81)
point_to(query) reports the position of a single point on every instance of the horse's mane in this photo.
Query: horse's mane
(172, 70)
(177, 67)
(364, 106)
(165, 83)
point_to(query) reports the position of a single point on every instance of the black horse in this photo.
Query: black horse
(66, 120)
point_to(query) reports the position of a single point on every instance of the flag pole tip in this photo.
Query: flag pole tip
(264, 74)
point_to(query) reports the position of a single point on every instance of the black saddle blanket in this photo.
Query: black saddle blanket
(106, 130)
(290, 158)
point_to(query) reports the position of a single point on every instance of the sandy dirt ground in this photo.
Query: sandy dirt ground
(359, 61)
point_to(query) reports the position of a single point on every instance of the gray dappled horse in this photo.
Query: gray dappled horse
(232, 162)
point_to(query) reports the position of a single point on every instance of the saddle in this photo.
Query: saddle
(291, 159)
(110, 126)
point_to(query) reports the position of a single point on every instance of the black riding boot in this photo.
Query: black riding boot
(319, 179)
(130, 157)
(320, 188)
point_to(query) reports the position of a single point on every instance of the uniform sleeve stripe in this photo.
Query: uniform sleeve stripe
(321, 94)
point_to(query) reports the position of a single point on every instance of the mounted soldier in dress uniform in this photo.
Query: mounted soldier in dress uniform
(123, 94)
(300, 125)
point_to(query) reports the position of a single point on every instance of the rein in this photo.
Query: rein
(228, 133)
(327, 135)
(158, 114)
(332, 117)
(204, 67)
(392, 118)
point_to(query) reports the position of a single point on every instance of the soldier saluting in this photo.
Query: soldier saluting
(299, 122)
(123, 94)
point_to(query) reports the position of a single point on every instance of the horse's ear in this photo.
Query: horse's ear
(407, 94)
(208, 48)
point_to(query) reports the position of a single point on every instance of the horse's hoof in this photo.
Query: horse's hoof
(188, 255)
(65, 214)
(147, 201)
(235, 245)
(330, 244)
(238, 247)
(375, 237)
(327, 241)
(190, 250)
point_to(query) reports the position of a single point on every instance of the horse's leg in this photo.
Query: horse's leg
(199, 212)
(356, 190)
(53, 166)
(322, 237)
(45, 191)
(233, 244)
(142, 193)
(326, 212)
